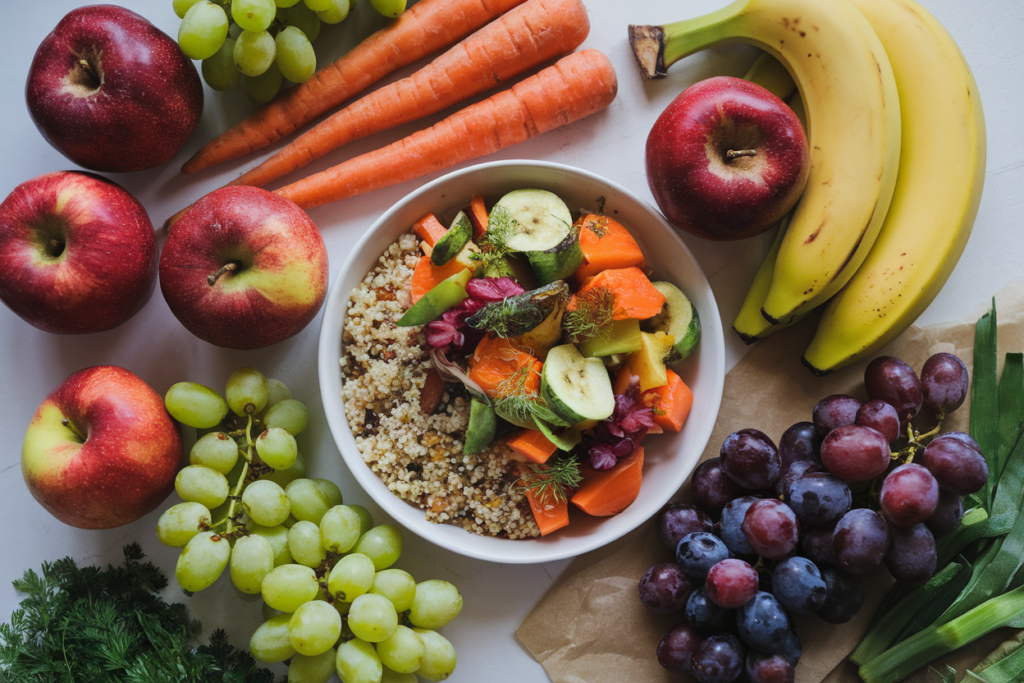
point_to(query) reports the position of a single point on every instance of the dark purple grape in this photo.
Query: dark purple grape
(794, 472)
(860, 541)
(912, 556)
(750, 459)
(961, 436)
(948, 513)
(800, 442)
(698, 552)
(718, 659)
(909, 495)
(819, 498)
(792, 649)
(704, 615)
(944, 383)
(712, 489)
(678, 519)
(881, 417)
(664, 589)
(798, 585)
(676, 648)
(771, 528)
(766, 668)
(955, 465)
(817, 546)
(844, 594)
(855, 453)
(731, 583)
(832, 412)
(730, 528)
(891, 380)
(763, 623)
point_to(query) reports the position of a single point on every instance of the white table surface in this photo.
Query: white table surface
(157, 348)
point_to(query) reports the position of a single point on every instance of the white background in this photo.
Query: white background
(161, 351)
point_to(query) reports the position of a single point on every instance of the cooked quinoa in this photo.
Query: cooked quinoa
(419, 456)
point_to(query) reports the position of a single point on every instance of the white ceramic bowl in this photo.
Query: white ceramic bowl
(669, 458)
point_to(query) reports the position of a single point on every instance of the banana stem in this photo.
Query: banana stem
(658, 47)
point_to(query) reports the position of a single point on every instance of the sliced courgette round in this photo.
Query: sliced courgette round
(679, 318)
(542, 219)
(452, 242)
(574, 387)
(559, 262)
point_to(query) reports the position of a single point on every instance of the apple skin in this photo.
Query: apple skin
(147, 105)
(105, 270)
(281, 280)
(123, 468)
(701, 192)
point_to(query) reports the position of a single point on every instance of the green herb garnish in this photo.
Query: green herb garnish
(592, 317)
(553, 479)
(501, 226)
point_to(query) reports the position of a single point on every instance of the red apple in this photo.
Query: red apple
(244, 268)
(101, 451)
(726, 159)
(77, 253)
(112, 92)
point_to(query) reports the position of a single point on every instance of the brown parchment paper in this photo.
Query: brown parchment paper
(591, 627)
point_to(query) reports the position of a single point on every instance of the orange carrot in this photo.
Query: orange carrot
(427, 276)
(429, 229)
(495, 363)
(530, 34)
(574, 87)
(635, 296)
(478, 216)
(608, 492)
(606, 244)
(551, 513)
(532, 443)
(425, 27)
(671, 402)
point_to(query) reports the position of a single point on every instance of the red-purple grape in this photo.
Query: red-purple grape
(817, 546)
(860, 541)
(832, 412)
(855, 453)
(718, 659)
(731, 583)
(961, 436)
(881, 417)
(705, 616)
(948, 515)
(678, 519)
(944, 383)
(731, 526)
(698, 552)
(712, 489)
(763, 623)
(909, 495)
(912, 555)
(676, 648)
(800, 442)
(750, 459)
(771, 528)
(889, 379)
(844, 594)
(819, 498)
(766, 668)
(798, 585)
(793, 472)
(664, 589)
(955, 465)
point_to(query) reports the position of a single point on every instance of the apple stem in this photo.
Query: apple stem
(737, 153)
(67, 423)
(227, 268)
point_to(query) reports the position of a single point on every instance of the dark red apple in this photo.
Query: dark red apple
(726, 159)
(244, 268)
(101, 451)
(77, 253)
(112, 92)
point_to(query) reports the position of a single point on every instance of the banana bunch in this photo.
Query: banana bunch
(897, 140)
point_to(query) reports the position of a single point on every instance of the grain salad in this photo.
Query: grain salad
(417, 455)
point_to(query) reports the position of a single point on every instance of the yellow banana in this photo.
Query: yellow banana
(942, 170)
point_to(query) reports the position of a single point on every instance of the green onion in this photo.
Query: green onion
(985, 400)
(1007, 669)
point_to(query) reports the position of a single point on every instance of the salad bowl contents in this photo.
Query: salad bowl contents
(500, 374)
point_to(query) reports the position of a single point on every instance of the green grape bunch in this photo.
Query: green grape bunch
(333, 602)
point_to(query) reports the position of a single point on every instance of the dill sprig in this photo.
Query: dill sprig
(592, 317)
(552, 480)
(501, 226)
(507, 318)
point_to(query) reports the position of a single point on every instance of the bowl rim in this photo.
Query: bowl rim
(329, 375)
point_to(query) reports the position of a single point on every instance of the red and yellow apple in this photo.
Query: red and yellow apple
(101, 451)
(244, 268)
(77, 253)
(726, 159)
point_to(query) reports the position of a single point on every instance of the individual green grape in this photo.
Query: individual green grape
(202, 560)
(317, 5)
(330, 490)
(351, 577)
(182, 6)
(279, 391)
(339, 529)
(357, 662)
(389, 8)
(438, 656)
(284, 477)
(308, 499)
(252, 559)
(195, 405)
(201, 485)
(372, 618)
(397, 586)
(277, 448)
(302, 18)
(403, 651)
(203, 30)
(219, 70)
(215, 450)
(382, 544)
(314, 628)
(270, 642)
(263, 88)
(365, 519)
(277, 537)
(337, 13)
(436, 603)
(179, 523)
(253, 15)
(316, 669)
(392, 676)
(247, 390)
(295, 55)
(265, 502)
(304, 544)
(287, 414)
(289, 586)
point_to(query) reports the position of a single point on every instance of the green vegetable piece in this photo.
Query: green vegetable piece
(566, 441)
(521, 314)
(574, 387)
(984, 423)
(446, 294)
(560, 261)
(678, 318)
(623, 336)
(482, 425)
(449, 246)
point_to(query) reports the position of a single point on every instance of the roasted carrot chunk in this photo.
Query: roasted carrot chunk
(671, 402)
(478, 216)
(532, 444)
(429, 229)
(604, 493)
(500, 368)
(635, 296)
(606, 245)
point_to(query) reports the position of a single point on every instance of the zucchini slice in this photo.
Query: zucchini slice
(574, 387)
(679, 318)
